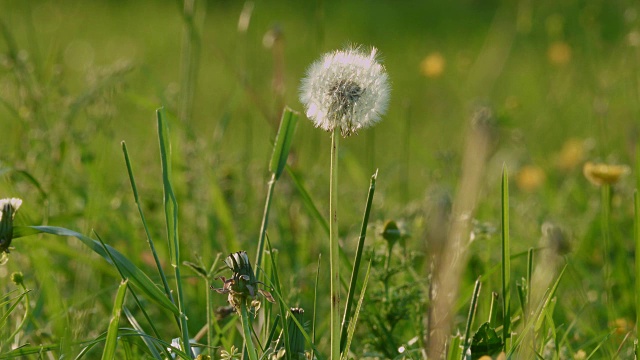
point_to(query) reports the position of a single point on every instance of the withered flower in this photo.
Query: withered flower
(600, 174)
(243, 284)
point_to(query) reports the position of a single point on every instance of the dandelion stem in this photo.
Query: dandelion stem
(246, 331)
(606, 238)
(333, 246)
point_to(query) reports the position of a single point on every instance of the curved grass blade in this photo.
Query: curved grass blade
(352, 324)
(466, 342)
(506, 261)
(135, 297)
(13, 306)
(21, 352)
(283, 141)
(132, 320)
(136, 198)
(356, 263)
(129, 270)
(112, 333)
(171, 217)
(278, 161)
(636, 235)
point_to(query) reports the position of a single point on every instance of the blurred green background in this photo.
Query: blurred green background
(77, 78)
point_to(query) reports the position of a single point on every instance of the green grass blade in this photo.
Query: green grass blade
(112, 334)
(526, 309)
(135, 297)
(281, 304)
(272, 332)
(171, 216)
(136, 276)
(246, 332)
(13, 306)
(315, 304)
(134, 188)
(493, 312)
(466, 342)
(21, 352)
(147, 341)
(353, 323)
(356, 263)
(506, 260)
(283, 141)
(636, 235)
(454, 350)
(602, 342)
(277, 164)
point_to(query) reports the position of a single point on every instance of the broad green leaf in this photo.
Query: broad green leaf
(486, 341)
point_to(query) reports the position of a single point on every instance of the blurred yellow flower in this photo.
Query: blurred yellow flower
(559, 53)
(571, 154)
(580, 355)
(530, 178)
(600, 174)
(432, 65)
(622, 326)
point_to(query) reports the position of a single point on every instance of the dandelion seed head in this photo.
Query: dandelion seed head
(346, 89)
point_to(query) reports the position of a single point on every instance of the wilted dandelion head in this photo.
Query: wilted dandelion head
(346, 89)
(242, 285)
(600, 174)
(8, 209)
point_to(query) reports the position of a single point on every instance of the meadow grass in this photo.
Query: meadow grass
(482, 237)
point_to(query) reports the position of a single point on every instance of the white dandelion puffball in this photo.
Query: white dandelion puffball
(346, 89)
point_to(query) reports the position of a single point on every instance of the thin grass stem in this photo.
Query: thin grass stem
(472, 312)
(605, 204)
(636, 233)
(315, 306)
(171, 218)
(506, 260)
(356, 263)
(246, 331)
(152, 247)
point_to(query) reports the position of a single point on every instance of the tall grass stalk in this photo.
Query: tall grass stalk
(472, 312)
(636, 235)
(171, 217)
(111, 340)
(506, 260)
(246, 331)
(281, 148)
(315, 305)
(356, 263)
(605, 210)
(189, 59)
(118, 267)
(150, 242)
(333, 247)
